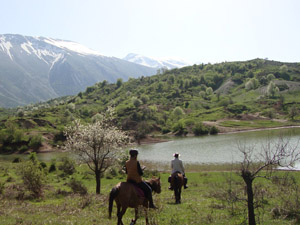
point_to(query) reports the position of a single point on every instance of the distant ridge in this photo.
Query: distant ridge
(34, 69)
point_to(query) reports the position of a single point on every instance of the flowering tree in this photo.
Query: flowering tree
(97, 144)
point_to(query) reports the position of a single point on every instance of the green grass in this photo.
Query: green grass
(254, 124)
(202, 203)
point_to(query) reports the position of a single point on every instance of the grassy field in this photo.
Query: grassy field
(215, 196)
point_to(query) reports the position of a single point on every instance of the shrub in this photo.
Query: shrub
(35, 142)
(179, 128)
(43, 165)
(2, 187)
(52, 167)
(33, 157)
(213, 130)
(237, 108)
(165, 130)
(200, 129)
(17, 160)
(33, 178)
(23, 148)
(67, 166)
(77, 187)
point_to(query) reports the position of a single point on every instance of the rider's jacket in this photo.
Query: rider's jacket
(176, 165)
(133, 170)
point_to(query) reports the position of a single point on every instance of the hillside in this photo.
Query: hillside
(195, 100)
(35, 69)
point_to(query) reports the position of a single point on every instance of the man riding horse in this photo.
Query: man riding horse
(134, 175)
(177, 167)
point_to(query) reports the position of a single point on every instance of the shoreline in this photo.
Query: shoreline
(157, 139)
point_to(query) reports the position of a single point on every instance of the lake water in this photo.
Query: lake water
(221, 148)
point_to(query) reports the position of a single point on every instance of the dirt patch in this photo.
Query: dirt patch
(43, 123)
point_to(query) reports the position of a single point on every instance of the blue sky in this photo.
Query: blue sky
(194, 30)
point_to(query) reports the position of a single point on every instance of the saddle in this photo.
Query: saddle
(138, 190)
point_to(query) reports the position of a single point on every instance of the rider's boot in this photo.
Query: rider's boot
(184, 183)
(151, 205)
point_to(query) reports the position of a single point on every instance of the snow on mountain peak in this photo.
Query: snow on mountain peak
(168, 62)
(72, 46)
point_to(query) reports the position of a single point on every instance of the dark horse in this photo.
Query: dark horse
(177, 182)
(126, 195)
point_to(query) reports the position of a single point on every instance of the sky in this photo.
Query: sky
(194, 30)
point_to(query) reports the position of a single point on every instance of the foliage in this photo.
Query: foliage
(35, 142)
(77, 187)
(67, 166)
(33, 178)
(96, 144)
(200, 129)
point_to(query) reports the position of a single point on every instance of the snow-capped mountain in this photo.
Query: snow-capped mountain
(169, 63)
(34, 69)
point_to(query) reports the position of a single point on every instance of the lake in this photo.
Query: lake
(221, 148)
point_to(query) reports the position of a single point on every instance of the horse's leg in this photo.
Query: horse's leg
(146, 215)
(135, 216)
(120, 215)
(176, 195)
(179, 195)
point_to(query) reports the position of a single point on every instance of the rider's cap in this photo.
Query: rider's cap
(176, 154)
(133, 152)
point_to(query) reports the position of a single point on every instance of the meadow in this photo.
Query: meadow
(215, 195)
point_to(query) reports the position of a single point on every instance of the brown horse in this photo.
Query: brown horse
(126, 195)
(177, 182)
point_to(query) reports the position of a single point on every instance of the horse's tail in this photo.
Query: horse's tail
(113, 194)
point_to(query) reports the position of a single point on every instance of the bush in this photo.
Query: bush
(67, 166)
(2, 187)
(43, 165)
(17, 160)
(23, 148)
(33, 178)
(213, 130)
(179, 128)
(237, 108)
(200, 129)
(52, 167)
(77, 187)
(165, 130)
(35, 142)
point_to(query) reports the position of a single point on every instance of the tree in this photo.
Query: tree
(178, 112)
(97, 144)
(272, 89)
(272, 155)
(293, 112)
(119, 82)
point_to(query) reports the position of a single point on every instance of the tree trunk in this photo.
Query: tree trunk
(98, 182)
(250, 197)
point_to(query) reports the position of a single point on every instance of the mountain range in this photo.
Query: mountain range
(34, 69)
(169, 63)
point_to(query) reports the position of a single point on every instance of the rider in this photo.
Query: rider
(134, 175)
(177, 166)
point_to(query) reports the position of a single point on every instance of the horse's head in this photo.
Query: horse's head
(155, 183)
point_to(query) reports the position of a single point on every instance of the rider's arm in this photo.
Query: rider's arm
(140, 171)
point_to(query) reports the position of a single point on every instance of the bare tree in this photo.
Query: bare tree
(97, 144)
(281, 153)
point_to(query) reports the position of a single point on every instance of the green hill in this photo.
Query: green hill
(198, 99)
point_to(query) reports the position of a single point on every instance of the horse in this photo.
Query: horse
(127, 195)
(177, 182)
